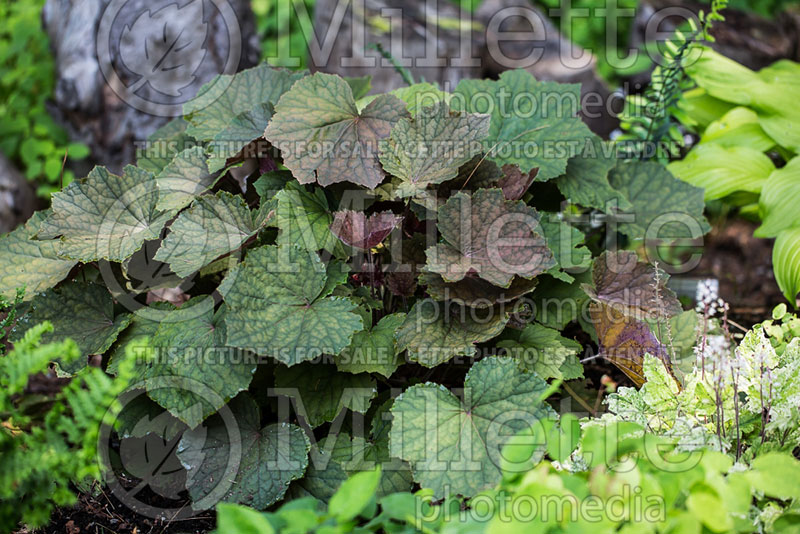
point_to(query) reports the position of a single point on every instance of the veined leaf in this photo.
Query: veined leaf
(243, 129)
(105, 216)
(354, 229)
(416, 96)
(269, 458)
(738, 127)
(323, 391)
(434, 332)
(541, 350)
(566, 243)
(189, 345)
(214, 226)
(453, 444)
(183, 179)
(30, 262)
(374, 350)
(779, 200)
(162, 145)
(491, 236)
(322, 136)
(786, 262)
(78, 311)
(527, 117)
(277, 306)
(474, 292)
(225, 97)
(304, 220)
(430, 148)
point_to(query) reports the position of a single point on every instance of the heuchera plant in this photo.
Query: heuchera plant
(291, 239)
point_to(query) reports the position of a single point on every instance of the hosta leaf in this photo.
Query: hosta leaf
(373, 350)
(162, 146)
(105, 216)
(243, 129)
(474, 292)
(430, 148)
(304, 220)
(491, 236)
(527, 117)
(673, 208)
(183, 179)
(541, 350)
(779, 200)
(277, 306)
(634, 288)
(269, 458)
(190, 344)
(222, 99)
(786, 262)
(435, 332)
(737, 127)
(30, 262)
(586, 180)
(323, 138)
(214, 226)
(353, 228)
(453, 444)
(721, 170)
(79, 311)
(324, 392)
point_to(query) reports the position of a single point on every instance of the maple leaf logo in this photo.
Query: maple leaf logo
(165, 47)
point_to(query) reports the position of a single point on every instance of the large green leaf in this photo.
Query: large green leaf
(786, 262)
(321, 392)
(374, 350)
(243, 129)
(30, 262)
(541, 349)
(454, 444)
(586, 180)
(566, 243)
(162, 146)
(430, 148)
(105, 216)
(225, 97)
(322, 136)
(183, 179)
(663, 206)
(190, 351)
(79, 311)
(529, 120)
(737, 127)
(278, 306)
(304, 219)
(214, 226)
(490, 235)
(434, 332)
(142, 328)
(721, 170)
(779, 200)
(254, 466)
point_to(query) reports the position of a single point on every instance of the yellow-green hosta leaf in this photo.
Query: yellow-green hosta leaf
(269, 458)
(278, 306)
(243, 129)
(430, 148)
(491, 236)
(183, 179)
(323, 137)
(78, 311)
(105, 216)
(529, 119)
(374, 350)
(28, 262)
(213, 227)
(304, 220)
(779, 201)
(721, 170)
(162, 146)
(189, 345)
(435, 332)
(225, 97)
(453, 444)
(664, 206)
(786, 262)
(321, 392)
(738, 127)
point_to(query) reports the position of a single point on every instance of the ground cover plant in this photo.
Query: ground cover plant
(304, 282)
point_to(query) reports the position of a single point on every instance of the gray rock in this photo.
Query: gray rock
(17, 199)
